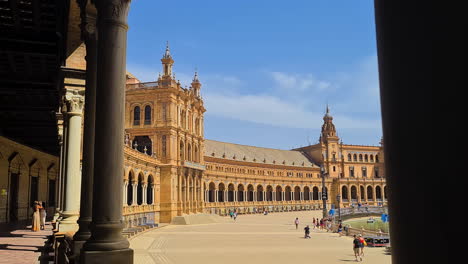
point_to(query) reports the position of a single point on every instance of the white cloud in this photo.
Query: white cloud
(298, 82)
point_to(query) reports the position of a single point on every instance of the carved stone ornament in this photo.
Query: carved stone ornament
(74, 100)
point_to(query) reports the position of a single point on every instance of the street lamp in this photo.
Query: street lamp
(324, 191)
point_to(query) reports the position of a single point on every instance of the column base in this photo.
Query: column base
(122, 256)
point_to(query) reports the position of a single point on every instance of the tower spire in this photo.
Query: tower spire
(167, 62)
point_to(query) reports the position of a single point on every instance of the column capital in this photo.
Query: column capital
(113, 11)
(74, 101)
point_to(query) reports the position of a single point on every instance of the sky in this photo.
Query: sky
(268, 68)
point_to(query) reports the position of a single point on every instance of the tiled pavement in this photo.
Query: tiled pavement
(18, 244)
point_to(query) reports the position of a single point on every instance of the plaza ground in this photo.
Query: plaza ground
(255, 239)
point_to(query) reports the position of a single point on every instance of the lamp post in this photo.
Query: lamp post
(338, 197)
(324, 192)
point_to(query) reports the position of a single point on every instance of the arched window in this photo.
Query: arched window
(349, 157)
(366, 158)
(147, 115)
(136, 116)
(360, 157)
(372, 158)
(376, 158)
(355, 157)
(163, 145)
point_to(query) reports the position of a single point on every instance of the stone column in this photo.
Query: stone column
(59, 181)
(135, 193)
(71, 207)
(124, 193)
(86, 206)
(145, 194)
(106, 244)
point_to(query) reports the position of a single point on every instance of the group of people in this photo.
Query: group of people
(38, 216)
(358, 246)
(233, 214)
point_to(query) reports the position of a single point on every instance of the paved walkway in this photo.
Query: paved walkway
(255, 239)
(19, 245)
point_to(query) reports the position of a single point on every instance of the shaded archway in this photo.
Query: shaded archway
(363, 192)
(287, 195)
(378, 192)
(240, 193)
(230, 193)
(279, 193)
(221, 190)
(370, 193)
(307, 193)
(250, 193)
(211, 192)
(269, 193)
(259, 193)
(131, 180)
(142, 144)
(140, 189)
(315, 193)
(297, 193)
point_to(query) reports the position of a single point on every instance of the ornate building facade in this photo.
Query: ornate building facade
(164, 121)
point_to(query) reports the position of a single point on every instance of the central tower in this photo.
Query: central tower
(172, 132)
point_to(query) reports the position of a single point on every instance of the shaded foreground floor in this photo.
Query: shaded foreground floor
(20, 245)
(251, 239)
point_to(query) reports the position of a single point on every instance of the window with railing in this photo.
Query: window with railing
(351, 171)
(364, 172)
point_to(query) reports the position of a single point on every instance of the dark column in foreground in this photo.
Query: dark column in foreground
(89, 35)
(415, 200)
(107, 245)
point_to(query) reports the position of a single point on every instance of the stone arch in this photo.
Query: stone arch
(189, 152)
(231, 191)
(240, 192)
(269, 193)
(288, 195)
(366, 158)
(211, 192)
(378, 192)
(250, 193)
(371, 158)
(35, 169)
(221, 189)
(315, 193)
(370, 193)
(131, 181)
(260, 191)
(297, 193)
(307, 193)
(279, 193)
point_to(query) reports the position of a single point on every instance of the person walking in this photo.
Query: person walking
(296, 222)
(313, 222)
(362, 243)
(36, 217)
(318, 223)
(43, 214)
(235, 216)
(307, 231)
(356, 248)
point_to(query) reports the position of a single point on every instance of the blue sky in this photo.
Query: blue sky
(268, 68)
